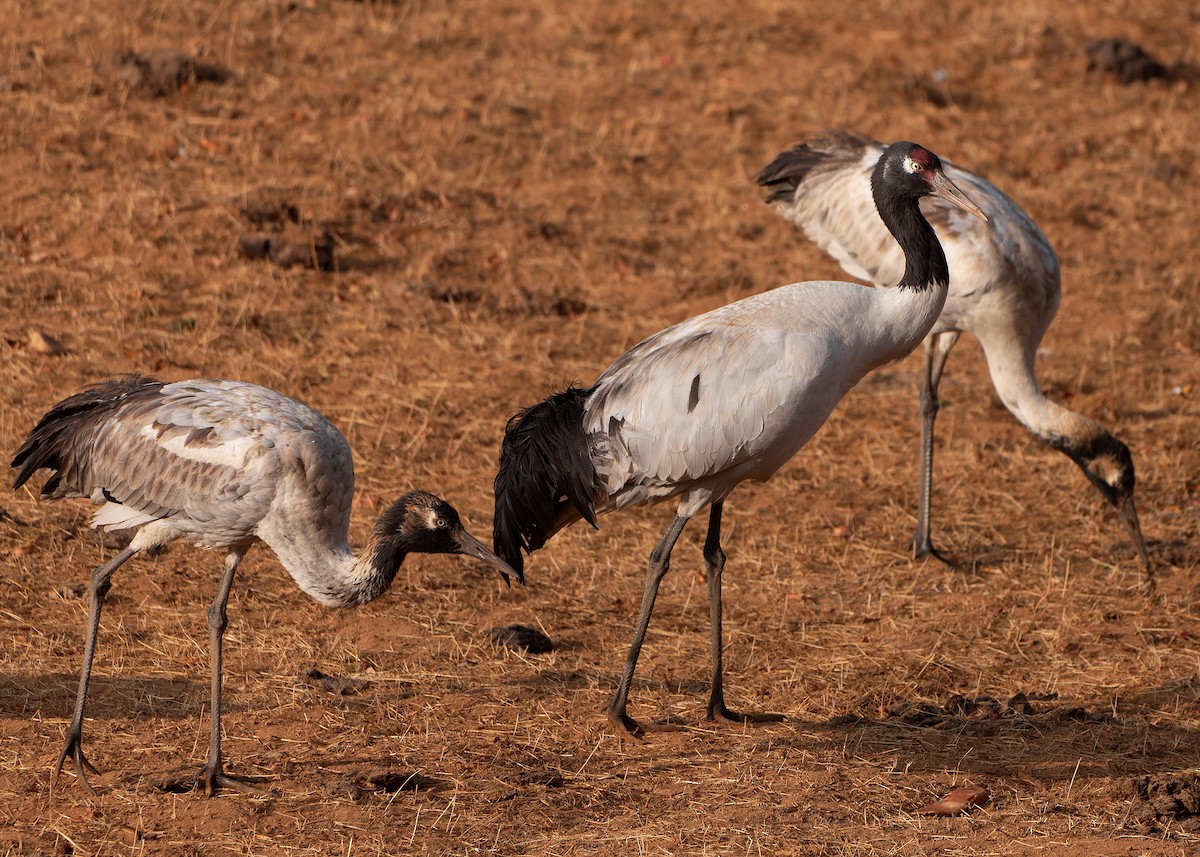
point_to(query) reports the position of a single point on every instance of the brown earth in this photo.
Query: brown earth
(419, 216)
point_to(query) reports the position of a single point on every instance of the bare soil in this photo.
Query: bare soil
(420, 216)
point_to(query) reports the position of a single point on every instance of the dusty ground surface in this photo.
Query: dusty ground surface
(507, 196)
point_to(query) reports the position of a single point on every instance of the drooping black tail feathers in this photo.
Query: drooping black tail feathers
(63, 436)
(544, 468)
(787, 172)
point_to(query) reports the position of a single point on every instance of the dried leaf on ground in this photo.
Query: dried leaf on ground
(43, 343)
(956, 802)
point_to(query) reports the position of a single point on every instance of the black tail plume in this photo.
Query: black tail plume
(62, 436)
(544, 467)
(787, 172)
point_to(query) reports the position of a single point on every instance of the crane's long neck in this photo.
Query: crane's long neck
(329, 571)
(924, 260)
(903, 316)
(1011, 365)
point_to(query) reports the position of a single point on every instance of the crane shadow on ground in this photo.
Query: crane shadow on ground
(53, 695)
(1048, 742)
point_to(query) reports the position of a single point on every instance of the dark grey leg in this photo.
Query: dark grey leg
(73, 747)
(660, 561)
(213, 775)
(714, 559)
(935, 362)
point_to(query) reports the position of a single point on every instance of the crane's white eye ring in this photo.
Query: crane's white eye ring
(440, 523)
(912, 166)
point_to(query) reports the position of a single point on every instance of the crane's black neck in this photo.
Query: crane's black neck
(386, 552)
(349, 580)
(924, 260)
(385, 557)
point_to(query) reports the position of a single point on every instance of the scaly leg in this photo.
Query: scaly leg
(714, 559)
(937, 349)
(101, 583)
(213, 775)
(660, 561)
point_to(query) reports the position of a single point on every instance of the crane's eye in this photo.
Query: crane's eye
(914, 166)
(440, 523)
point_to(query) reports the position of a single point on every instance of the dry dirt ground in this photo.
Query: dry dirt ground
(506, 196)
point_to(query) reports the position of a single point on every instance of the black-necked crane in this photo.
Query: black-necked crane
(223, 464)
(1005, 287)
(716, 400)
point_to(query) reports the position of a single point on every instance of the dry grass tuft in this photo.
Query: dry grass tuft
(512, 195)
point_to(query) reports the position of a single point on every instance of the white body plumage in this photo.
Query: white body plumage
(733, 394)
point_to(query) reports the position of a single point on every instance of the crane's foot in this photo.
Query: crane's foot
(213, 778)
(627, 727)
(74, 748)
(923, 548)
(719, 713)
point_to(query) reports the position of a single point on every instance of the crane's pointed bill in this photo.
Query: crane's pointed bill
(468, 545)
(1129, 515)
(945, 189)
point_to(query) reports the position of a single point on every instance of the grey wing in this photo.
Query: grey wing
(832, 203)
(205, 455)
(1008, 251)
(692, 402)
(835, 209)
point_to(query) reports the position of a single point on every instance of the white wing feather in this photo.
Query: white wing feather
(1006, 259)
(729, 395)
(212, 457)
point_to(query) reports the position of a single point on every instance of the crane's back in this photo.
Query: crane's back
(733, 394)
(213, 461)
